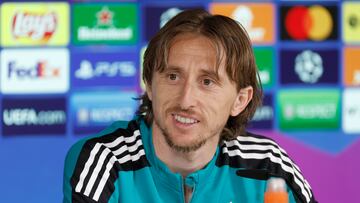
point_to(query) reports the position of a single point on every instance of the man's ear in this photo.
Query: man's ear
(148, 90)
(242, 100)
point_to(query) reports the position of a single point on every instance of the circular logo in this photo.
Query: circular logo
(167, 15)
(309, 66)
(314, 22)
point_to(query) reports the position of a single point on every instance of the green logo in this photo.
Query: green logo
(99, 24)
(265, 63)
(309, 109)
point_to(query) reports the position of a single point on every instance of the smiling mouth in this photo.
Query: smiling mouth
(184, 120)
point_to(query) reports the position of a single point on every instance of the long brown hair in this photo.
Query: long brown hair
(229, 38)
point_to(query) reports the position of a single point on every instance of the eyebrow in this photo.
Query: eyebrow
(212, 74)
(172, 68)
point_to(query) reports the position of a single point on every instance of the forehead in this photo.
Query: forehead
(196, 46)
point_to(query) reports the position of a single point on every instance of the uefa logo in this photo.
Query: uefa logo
(25, 116)
(309, 66)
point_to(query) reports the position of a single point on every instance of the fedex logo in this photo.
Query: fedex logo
(40, 70)
(37, 26)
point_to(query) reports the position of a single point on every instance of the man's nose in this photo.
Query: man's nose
(188, 95)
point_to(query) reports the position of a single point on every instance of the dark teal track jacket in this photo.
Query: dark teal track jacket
(119, 165)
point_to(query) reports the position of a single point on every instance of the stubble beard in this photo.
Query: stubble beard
(194, 146)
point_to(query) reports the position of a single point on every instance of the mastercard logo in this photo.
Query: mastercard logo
(309, 23)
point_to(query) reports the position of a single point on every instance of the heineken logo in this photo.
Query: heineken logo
(108, 24)
(86, 33)
(105, 16)
(36, 26)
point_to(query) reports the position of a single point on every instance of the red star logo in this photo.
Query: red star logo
(104, 16)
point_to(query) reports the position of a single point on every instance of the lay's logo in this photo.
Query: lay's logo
(36, 26)
(29, 24)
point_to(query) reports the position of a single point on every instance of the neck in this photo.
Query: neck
(183, 162)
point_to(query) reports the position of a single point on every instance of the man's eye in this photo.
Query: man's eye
(172, 76)
(207, 82)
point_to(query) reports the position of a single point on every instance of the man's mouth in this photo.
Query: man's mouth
(184, 120)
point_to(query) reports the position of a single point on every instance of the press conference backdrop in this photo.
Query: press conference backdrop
(69, 69)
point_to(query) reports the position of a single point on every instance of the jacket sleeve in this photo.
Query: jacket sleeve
(78, 170)
(69, 194)
(84, 173)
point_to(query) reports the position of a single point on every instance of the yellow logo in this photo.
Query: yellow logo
(351, 22)
(32, 24)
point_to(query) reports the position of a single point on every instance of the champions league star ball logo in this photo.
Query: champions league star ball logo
(167, 15)
(309, 66)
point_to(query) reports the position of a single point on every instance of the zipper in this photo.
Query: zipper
(192, 193)
(183, 188)
(184, 191)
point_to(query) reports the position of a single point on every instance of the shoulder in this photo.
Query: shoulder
(260, 157)
(92, 164)
(117, 129)
(252, 148)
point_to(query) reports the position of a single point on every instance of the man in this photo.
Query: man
(188, 142)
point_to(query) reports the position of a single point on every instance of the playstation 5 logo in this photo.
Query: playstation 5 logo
(105, 69)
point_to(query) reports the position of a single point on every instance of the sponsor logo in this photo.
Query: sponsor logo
(314, 22)
(245, 16)
(91, 112)
(264, 115)
(106, 23)
(265, 63)
(156, 17)
(35, 24)
(257, 19)
(351, 66)
(309, 109)
(104, 69)
(39, 70)
(34, 116)
(168, 14)
(351, 22)
(309, 66)
(351, 111)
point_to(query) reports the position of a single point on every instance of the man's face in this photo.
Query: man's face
(191, 102)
